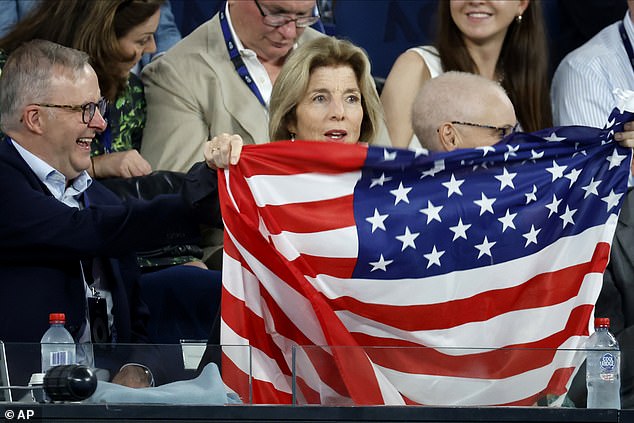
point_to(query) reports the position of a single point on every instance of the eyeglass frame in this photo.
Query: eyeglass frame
(310, 20)
(91, 107)
(503, 131)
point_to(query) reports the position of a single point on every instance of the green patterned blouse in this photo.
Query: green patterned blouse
(126, 118)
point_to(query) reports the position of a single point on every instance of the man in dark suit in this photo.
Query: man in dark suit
(616, 300)
(57, 222)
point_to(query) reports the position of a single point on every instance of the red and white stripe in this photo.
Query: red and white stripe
(288, 293)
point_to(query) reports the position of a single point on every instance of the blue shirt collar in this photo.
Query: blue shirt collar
(54, 180)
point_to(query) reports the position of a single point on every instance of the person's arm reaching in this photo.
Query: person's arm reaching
(399, 92)
(120, 164)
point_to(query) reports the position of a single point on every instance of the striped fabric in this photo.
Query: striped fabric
(583, 85)
(383, 276)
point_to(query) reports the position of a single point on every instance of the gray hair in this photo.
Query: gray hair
(26, 77)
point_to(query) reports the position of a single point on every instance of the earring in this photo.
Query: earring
(293, 136)
(518, 19)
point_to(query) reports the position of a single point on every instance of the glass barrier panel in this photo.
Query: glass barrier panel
(190, 372)
(438, 376)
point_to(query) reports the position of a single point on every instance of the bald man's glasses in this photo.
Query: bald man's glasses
(277, 20)
(502, 131)
(87, 109)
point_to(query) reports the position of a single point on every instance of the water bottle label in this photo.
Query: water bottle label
(59, 358)
(607, 364)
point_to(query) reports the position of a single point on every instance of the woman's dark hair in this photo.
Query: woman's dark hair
(93, 27)
(523, 62)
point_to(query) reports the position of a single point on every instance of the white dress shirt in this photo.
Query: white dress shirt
(583, 85)
(250, 59)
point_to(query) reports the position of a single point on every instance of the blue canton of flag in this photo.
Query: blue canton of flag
(428, 214)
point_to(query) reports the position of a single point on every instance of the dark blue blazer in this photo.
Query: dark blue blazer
(42, 241)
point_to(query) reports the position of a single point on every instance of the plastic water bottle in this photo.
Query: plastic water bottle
(603, 367)
(57, 345)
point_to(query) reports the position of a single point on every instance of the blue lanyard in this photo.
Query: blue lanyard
(627, 44)
(235, 57)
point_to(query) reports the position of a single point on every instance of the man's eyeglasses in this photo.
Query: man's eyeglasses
(276, 20)
(501, 130)
(87, 110)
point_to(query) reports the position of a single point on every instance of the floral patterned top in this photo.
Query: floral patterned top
(126, 118)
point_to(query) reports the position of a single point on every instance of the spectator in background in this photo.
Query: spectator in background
(167, 34)
(115, 34)
(584, 83)
(462, 110)
(501, 40)
(196, 90)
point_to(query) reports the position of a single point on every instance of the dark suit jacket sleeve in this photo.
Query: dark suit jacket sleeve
(616, 299)
(201, 191)
(35, 227)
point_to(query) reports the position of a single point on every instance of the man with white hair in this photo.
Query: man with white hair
(462, 110)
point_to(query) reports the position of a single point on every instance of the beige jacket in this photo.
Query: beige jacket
(193, 92)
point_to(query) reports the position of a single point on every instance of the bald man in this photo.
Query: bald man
(462, 110)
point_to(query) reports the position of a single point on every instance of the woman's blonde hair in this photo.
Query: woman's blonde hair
(292, 83)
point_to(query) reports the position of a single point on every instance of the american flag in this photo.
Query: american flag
(386, 276)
